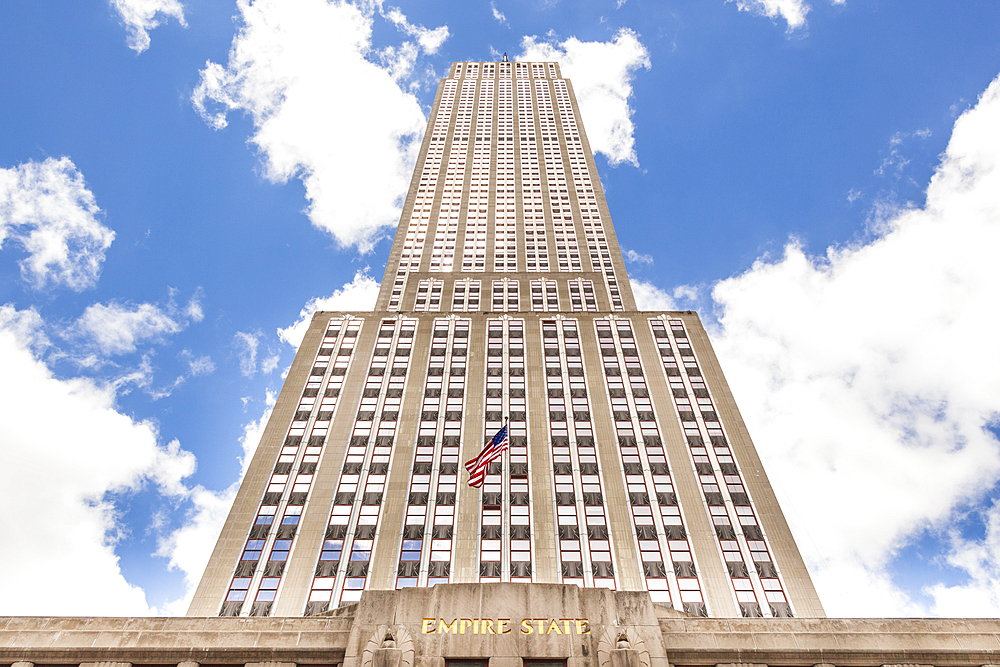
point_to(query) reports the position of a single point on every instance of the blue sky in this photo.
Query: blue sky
(820, 179)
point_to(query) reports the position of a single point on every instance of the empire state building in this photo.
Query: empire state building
(505, 297)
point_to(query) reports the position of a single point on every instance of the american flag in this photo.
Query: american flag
(478, 466)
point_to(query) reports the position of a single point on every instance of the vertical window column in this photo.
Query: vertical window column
(432, 492)
(505, 202)
(754, 577)
(581, 293)
(664, 550)
(288, 487)
(416, 229)
(360, 487)
(559, 203)
(506, 488)
(446, 230)
(474, 251)
(533, 212)
(584, 542)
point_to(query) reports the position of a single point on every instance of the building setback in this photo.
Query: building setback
(630, 524)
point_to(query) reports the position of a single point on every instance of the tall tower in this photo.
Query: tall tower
(505, 295)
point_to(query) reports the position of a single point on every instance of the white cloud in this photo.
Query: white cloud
(269, 364)
(47, 208)
(322, 112)
(497, 14)
(26, 326)
(141, 16)
(601, 73)
(429, 40)
(357, 295)
(66, 448)
(650, 297)
(246, 349)
(793, 11)
(633, 256)
(867, 378)
(118, 328)
(198, 366)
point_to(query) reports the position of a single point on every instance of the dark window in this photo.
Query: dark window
(467, 663)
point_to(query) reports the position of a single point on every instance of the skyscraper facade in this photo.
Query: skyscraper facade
(506, 300)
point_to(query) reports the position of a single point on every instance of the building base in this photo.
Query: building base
(497, 625)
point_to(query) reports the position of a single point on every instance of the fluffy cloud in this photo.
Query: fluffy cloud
(868, 378)
(359, 294)
(602, 74)
(66, 449)
(793, 11)
(141, 16)
(429, 40)
(322, 111)
(118, 328)
(47, 208)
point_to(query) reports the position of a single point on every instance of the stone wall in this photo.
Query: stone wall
(501, 623)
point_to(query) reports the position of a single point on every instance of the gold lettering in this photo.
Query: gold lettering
(487, 626)
(565, 622)
(539, 622)
(428, 626)
(502, 628)
(526, 627)
(463, 624)
(444, 628)
(553, 626)
(475, 625)
(582, 626)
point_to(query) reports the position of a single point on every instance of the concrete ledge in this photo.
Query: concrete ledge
(339, 636)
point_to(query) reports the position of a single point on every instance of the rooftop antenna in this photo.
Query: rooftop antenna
(505, 57)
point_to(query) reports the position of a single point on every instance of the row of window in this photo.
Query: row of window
(505, 70)
(474, 253)
(544, 295)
